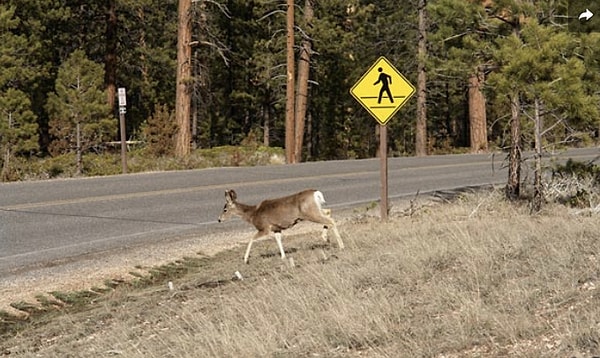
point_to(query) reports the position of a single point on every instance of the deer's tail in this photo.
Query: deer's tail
(319, 199)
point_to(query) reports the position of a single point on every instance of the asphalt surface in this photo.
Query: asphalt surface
(46, 222)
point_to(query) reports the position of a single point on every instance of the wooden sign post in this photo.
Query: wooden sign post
(383, 164)
(382, 90)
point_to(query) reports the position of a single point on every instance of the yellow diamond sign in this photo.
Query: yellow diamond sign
(382, 90)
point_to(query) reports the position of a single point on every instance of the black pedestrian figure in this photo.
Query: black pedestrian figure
(386, 81)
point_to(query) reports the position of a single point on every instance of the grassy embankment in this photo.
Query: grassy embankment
(64, 166)
(478, 277)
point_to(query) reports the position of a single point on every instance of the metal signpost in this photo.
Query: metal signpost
(122, 111)
(382, 90)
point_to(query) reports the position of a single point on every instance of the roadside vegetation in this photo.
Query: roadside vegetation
(93, 164)
(471, 276)
(154, 152)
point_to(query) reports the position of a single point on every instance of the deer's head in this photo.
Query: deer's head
(230, 205)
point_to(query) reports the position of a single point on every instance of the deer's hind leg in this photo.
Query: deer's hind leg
(336, 233)
(278, 239)
(328, 222)
(325, 213)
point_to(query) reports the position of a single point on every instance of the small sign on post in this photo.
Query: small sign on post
(122, 111)
(382, 91)
(122, 97)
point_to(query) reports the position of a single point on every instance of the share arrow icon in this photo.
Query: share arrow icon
(587, 14)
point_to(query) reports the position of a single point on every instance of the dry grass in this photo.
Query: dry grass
(477, 277)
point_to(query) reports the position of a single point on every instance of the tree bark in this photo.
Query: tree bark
(538, 190)
(421, 126)
(79, 150)
(266, 124)
(4, 176)
(110, 61)
(309, 136)
(290, 123)
(477, 116)
(303, 76)
(513, 186)
(6, 164)
(183, 96)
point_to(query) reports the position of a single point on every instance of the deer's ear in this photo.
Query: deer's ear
(230, 195)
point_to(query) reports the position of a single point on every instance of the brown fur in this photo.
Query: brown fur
(276, 215)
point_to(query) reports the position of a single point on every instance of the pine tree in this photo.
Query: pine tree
(18, 129)
(461, 56)
(79, 114)
(542, 67)
(159, 132)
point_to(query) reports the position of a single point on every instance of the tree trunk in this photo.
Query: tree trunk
(513, 187)
(290, 123)
(79, 150)
(309, 136)
(6, 164)
(538, 190)
(477, 117)
(110, 61)
(421, 126)
(303, 76)
(183, 96)
(266, 124)
(194, 134)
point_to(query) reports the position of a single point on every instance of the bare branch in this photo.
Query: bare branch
(455, 36)
(222, 7)
(219, 49)
(271, 13)
(559, 121)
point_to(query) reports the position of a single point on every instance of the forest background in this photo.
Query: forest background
(504, 74)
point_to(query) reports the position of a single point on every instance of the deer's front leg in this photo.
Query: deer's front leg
(248, 250)
(255, 237)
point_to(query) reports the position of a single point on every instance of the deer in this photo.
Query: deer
(276, 215)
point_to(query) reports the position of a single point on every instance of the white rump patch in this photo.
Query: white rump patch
(319, 199)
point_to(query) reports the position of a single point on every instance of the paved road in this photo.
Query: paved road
(45, 221)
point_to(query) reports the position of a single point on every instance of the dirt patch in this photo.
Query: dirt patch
(95, 270)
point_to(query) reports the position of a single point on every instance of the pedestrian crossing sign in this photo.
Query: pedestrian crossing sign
(382, 90)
